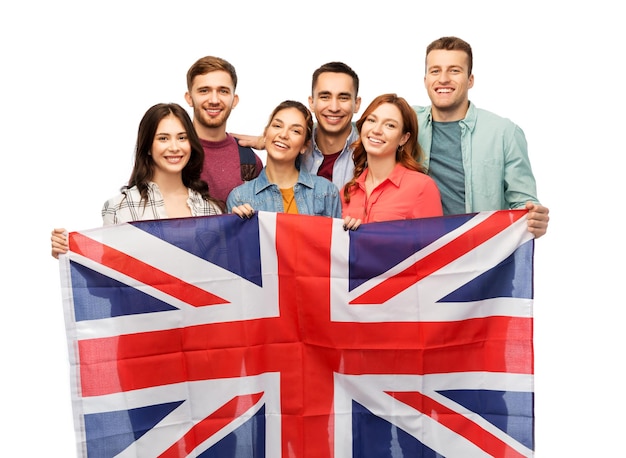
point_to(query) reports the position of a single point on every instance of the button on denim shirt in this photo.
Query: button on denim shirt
(314, 195)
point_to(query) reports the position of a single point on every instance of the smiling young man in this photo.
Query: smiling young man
(478, 159)
(334, 100)
(211, 85)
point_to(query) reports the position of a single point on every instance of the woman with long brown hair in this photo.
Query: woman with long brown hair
(165, 181)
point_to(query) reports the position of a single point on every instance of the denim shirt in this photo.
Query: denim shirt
(343, 168)
(498, 175)
(314, 195)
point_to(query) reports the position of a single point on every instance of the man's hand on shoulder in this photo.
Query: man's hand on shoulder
(252, 141)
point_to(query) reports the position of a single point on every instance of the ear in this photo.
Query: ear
(405, 138)
(311, 105)
(470, 82)
(189, 99)
(357, 105)
(235, 100)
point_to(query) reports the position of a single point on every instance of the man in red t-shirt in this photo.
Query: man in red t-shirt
(211, 85)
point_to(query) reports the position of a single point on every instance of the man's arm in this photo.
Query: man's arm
(252, 141)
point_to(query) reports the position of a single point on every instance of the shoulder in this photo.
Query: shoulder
(421, 111)
(112, 203)
(126, 194)
(244, 188)
(490, 118)
(247, 154)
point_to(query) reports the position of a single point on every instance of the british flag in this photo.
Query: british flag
(287, 336)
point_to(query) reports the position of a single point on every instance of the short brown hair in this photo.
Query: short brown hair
(210, 64)
(336, 67)
(452, 44)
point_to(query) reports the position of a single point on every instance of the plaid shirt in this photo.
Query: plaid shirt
(128, 206)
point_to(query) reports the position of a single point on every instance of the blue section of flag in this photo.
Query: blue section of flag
(226, 241)
(510, 278)
(375, 437)
(377, 247)
(109, 433)
(246, 441)
(510, 411)
(98, 296)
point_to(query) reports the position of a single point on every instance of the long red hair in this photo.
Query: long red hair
(410, 155)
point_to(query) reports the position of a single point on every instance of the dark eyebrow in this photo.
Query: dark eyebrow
(283, 122)
(211, 87)
(347, 94)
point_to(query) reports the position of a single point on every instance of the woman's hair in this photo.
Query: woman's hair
(410, 155)
(308, 118)
(143, 170)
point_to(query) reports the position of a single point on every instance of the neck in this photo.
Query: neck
(212, 134)
(449, 115)
(169, 183)
(330, 143)
(379, 169)
(282, 175)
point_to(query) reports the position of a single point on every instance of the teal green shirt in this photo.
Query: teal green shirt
(498, 175)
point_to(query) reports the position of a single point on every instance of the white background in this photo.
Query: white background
(77, 77)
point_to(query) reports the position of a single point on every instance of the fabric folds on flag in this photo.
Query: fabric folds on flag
(286, 336)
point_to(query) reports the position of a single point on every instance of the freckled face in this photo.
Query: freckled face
(382, 131)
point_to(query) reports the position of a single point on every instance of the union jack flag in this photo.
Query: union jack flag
(286, 336)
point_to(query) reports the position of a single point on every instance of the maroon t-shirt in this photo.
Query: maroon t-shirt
(222, 166)
(326, 168)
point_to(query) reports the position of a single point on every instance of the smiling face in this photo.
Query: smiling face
(448, 82)
(383, 131)
(171, 149)
(212, 97)
(334, 101)
(286, 135)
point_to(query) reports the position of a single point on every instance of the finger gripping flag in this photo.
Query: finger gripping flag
(286, 336)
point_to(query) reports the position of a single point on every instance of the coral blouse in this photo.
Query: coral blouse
(405, 194)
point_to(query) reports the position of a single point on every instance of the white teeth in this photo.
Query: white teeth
(280, 145)
(444, 90)
(374, 140)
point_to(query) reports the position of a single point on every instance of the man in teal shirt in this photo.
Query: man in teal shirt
(478, 159)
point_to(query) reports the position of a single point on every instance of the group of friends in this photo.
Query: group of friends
(395, 162)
